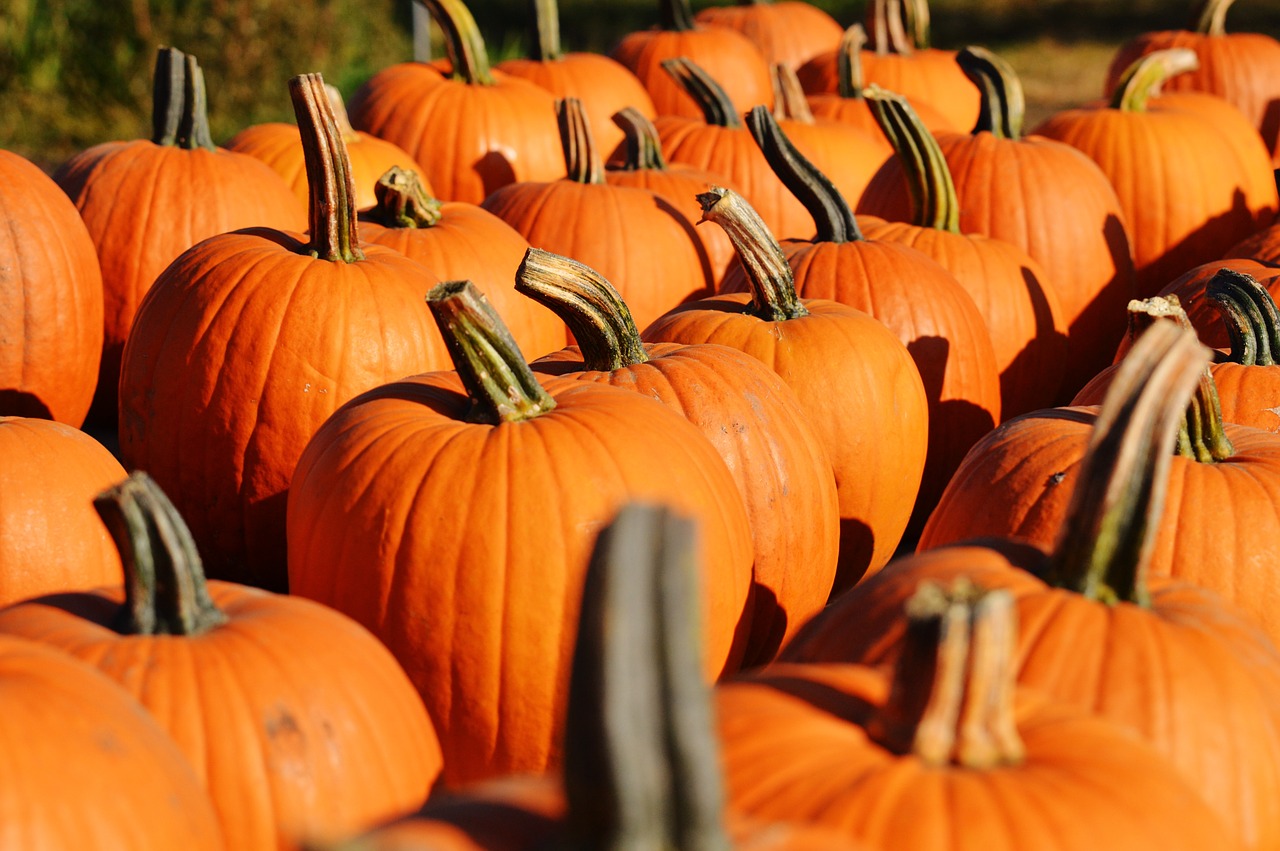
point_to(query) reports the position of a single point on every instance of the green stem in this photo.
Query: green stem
(773, 286)
(165, 588)
(1142, 80)
(643, 147)
(402, 201)
(888, 34)
(676, 16)
(1250, 315)
(717, 108)
(916, 13)
(832, 215)
(789, 101)
(1105, 541)
(928, 176)
(581, 159)
(497, 379)
(545, 38)
(179, 111)
(1210, 17)
(332, 208)
(849, 62)
(588, 304)
(1003, 105)
(462, 41)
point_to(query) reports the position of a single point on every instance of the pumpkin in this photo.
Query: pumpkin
(726, 55)
(279, 145)
(1189, 289)
(789, 32)
(1263, 246)
(178, 177)
(629, 234)
(249, 341)
(474, 129)
(852, 375)
(50, 539)
(50, 298)
(472, 574)
(745, 410)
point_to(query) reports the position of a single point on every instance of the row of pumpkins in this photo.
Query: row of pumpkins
(508, 581)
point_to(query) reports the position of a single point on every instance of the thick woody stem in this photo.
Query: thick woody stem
(1003, 105)
(642, 148)
(581, 159)
(332, 209)
(717, 108)
(1142, 80)
(1250, 315)
(402, 201)
(462, 41)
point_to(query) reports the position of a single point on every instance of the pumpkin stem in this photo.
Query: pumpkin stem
(588, 304)
(1142, 80)
(849, 62)
(499, 382)
(179, 111)
(1210, 17)
(462, 41)
(332, 211)
(831, 213)
(916, 13)
(773, 286)
(888, 34)
(1250, 314)
(1105, 540)
(1003, 105)
(642, 148)
(789, 101)
(642, 766)
(340, 116)
(165, 588)
(933, 192)
(711, 98)
(545, 37)
(675, 16)
(951, 699)
(402, 201)
(581, 159)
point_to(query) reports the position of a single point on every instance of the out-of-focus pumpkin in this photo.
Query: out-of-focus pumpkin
(790, 32)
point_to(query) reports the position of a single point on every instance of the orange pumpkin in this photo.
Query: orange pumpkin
(790, 32)
(1189, 289)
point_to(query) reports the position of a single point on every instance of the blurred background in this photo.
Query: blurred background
(74, 73)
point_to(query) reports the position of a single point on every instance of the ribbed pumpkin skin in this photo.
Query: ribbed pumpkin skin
(50, 299)
(1219, 520)
(463, 545)
(470, 243)
(120, 782)
(144, 204)
(761, 429)
(1196, 679)
(1205, 318)
(630, 236)
(298, 721)
(794, 748)
(240, 351)
(927, 78)
(789, 32)
(471, 139)
(836, 354)
(1263, 246)
(731, 59)
(279, 145)
(1054, 203)
(50, 537)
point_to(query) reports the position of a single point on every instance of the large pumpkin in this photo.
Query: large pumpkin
(790, 32)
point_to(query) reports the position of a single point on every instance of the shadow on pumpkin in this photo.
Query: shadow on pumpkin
(1045, 355)
(495, 171)
(20, 403)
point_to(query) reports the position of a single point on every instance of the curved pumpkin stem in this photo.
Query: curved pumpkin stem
(340, 116)
(886, 29)
(164, 583)
(717, 108)
(849, 62)
(916, 13)
(498, 381)
(1142, 80)
(831, 214)
(581, 160)
(773, 286)
(642, 148)
(1250, 315)
(462, 41)
(933, 192)
(951, 698)
(676, 16)
(1105, 542)
(1003, 104)
(332, 210)
(545, 37)
(789, 101)
(402, 201)
(588, 304)
(1210, 17)
(642, 766)
(179, 110)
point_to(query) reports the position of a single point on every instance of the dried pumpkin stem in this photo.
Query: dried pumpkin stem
(588, 304)
(849, 62)
(499, 382)
(179, 111)
(916, 13)
(165, 588)
(332, 210)
(1250, 315)
(888, 34)
(717, 108)
(545, 38)
(401, 201)
(1142, 80)
(676, 16)
(1210, 17)
(1105, 541)
(789, 101)
(642, 149)
(831, 214)
(928, 177)
(462, 41)
(581, 159)
(773, 287)
(340, 116)
(1003, 104)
